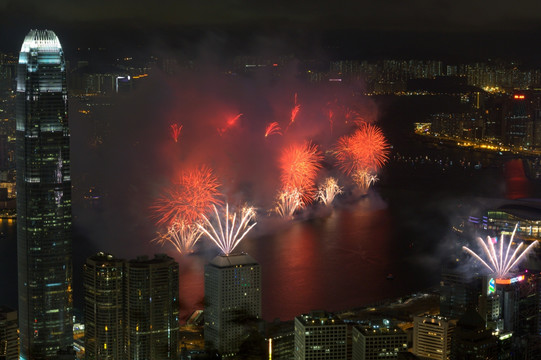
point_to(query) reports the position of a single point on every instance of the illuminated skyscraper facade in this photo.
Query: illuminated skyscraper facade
(232, 296)
(104, 308)
(43, 198)
(152, 308)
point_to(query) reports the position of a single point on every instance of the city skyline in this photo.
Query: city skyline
(138, 127)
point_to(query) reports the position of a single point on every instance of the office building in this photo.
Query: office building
(458, 291)
(472, 340)
(152, 308)
(103, 291)
(43, 198)
(432, 336)
(232, 301)
(378, 342)
(320, 335)
(9, 338)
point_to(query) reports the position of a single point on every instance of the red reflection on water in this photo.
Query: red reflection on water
(334, 262)
(517, 184)
(191, 284)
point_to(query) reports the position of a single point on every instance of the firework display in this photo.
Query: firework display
(175, 131)
(231, 122)
(288, 202)
(299, 165)
(328, 190)
(189, 209)
(273, 129)
(192, 196)
(362, 154)
(181, 235)
(228, 230)
(294, 112)
(500, 259)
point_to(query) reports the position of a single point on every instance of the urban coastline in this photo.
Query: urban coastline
(432, 172)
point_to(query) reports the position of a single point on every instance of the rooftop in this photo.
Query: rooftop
(41, 40)
(319, 318)
(232, 260)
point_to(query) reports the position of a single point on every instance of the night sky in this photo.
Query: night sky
(345, 29)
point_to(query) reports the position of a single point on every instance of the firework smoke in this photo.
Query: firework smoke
(328, 191)
(229, 230)
(498, 262)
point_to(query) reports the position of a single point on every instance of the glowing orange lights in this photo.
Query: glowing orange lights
(510, 281)
(519, 97)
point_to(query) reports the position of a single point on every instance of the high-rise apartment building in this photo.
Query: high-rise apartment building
(432, 336)
(152, 308)
(232, 297)
(43, 198)
(104, 310)
(320, 335)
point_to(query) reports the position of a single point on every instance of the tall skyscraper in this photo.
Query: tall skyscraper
(43, 198)
(232, 298)
(152, 308)
(104, 308)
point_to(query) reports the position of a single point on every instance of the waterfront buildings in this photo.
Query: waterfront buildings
(232, 301)
(43, 198)
(432, 336)
(152, 308)
(378, 342)
(320, 335)
(104, 310)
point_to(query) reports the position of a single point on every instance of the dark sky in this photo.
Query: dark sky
(439, 28)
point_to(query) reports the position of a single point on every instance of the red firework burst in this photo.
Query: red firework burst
(366, 148)
(175, 131)
(231, 121)
(192, 196)
(294, 112)
(273, 129)
(300, 165)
